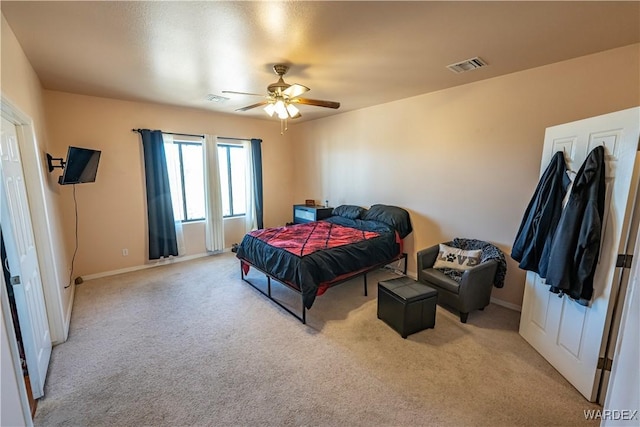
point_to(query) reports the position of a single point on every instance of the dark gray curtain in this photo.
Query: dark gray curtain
(162, 231)
(256, 154)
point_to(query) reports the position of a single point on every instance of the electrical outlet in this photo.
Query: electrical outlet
(125, 252)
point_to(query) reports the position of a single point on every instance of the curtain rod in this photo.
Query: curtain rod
(199, 136)
(171, 133)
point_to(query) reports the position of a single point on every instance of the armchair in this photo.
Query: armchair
(473, 290)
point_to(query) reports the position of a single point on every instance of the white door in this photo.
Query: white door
(570, 336)
(22, 260)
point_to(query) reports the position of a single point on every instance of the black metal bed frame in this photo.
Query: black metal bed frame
(303, 318)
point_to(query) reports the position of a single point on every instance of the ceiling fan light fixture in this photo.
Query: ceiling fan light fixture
(292, 110)
(270, 109)
(281, 109)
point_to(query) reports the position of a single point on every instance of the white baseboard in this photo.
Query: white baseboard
(495, 301)
(67, 320)
(166, 261)
(505, 304)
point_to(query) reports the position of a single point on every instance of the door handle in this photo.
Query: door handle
(15, 280)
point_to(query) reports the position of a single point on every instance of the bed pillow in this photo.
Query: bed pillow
(457, 259)
(394, 216)
(348, 211)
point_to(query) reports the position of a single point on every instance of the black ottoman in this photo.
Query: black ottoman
(406, 305)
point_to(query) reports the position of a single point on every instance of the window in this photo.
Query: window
(232, 160)
(187, 190)
(185, 164)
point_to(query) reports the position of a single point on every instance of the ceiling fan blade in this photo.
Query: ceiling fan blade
(249, 107)
(316, 102)
(295, 90)
(241, 93)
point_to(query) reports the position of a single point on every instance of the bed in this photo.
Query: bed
(312, 257)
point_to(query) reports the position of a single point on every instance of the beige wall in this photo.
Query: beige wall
(21, 87)
(112, 211)
(463, 161)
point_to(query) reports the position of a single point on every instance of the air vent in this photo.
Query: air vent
(216, 98)
(467, 65)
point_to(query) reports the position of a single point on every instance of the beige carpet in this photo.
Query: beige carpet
(191, 344)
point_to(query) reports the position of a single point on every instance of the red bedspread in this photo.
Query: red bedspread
(305, 239)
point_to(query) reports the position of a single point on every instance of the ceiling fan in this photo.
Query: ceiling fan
(282, 96)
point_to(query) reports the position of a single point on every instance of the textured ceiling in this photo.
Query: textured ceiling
(357, 53)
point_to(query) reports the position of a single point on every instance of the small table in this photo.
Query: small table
(406, 305)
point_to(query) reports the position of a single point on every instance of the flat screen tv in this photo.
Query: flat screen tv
(81, 166)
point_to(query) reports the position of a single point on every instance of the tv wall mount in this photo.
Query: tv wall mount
(51, 159)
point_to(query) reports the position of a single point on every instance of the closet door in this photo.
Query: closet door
(22, 260)
(570, 336)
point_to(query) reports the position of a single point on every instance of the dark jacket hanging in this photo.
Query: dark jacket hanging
(576, 245)
(531, 245)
